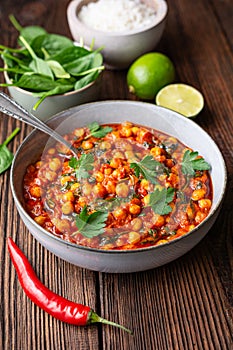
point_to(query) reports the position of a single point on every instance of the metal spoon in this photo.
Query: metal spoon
(10, 107)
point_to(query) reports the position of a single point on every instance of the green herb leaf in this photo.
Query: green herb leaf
(82, 165)
(191, 163)
(91, 225)
(6, 156)
(97, 130)
(149, 168)
(160, 199)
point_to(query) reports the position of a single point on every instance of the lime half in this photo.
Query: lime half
(181, 98)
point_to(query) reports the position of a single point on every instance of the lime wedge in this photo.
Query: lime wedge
(181, 98)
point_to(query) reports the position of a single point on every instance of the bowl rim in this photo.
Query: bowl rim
(113, 251)
(72, 14)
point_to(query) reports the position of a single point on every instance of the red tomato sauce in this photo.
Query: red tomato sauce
(129, 187)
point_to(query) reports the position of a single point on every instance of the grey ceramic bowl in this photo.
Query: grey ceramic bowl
(143, 113)
(57, 103)
(120, 48)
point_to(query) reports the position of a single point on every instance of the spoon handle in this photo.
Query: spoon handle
(11, 108)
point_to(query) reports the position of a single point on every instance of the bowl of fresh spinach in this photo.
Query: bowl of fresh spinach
(48, 73)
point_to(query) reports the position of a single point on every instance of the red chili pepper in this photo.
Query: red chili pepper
(55, 305)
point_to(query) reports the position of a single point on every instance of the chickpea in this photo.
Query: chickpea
(198, 194)
(145, 184)
(115, 163)
(82, 201)
(122, 190)
(108, 171)
(99, 176)
(38, 164)
(146, 200)
(130, 155)
(35, 191)
(120, 214)
(68, 196)
(191, 227)
(190, 212)
(86, 189)
(40, 220)
(50, 175)
(133, 237)
(156, 151)
(126, 132)
(67, 208)
(87, 144)
(128, 146)
(134, 209)
(75, 188)
(119, 154)
(127, 124)
(51, 151)
(135, 130)
(105, 145)
(62, 225)
(79, 132)
(204, 204)
(116, 173)
(136, 224)
(159, 222)
(99, 190)
(200, 216)
(111, 187)
(161, 241)
(55, 164)
(180, 232)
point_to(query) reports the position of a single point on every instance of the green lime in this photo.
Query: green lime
(149, 73)
(181, 98)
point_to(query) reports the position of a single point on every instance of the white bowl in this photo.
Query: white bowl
(54, 104)
(143, 113)
(120, 48)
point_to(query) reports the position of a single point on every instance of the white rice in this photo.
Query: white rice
(117, 15)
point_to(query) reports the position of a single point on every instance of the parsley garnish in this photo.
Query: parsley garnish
(97, 130)
(82, 165)
(160, 199)
(190, 163)
(149, 168)
(91, 225)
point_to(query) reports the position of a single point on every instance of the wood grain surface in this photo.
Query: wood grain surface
(186, 304)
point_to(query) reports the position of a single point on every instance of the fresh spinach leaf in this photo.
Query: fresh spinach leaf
(87, 79)
(29, 32)
(38, 65)
(53, 44)
(69, 54)
(58, 70)
(6, 156)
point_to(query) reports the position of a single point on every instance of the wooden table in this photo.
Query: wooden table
(186, 304)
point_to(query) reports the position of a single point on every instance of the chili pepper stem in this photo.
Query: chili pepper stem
(94, 318)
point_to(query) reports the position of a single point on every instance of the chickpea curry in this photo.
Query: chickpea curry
(129, 187)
